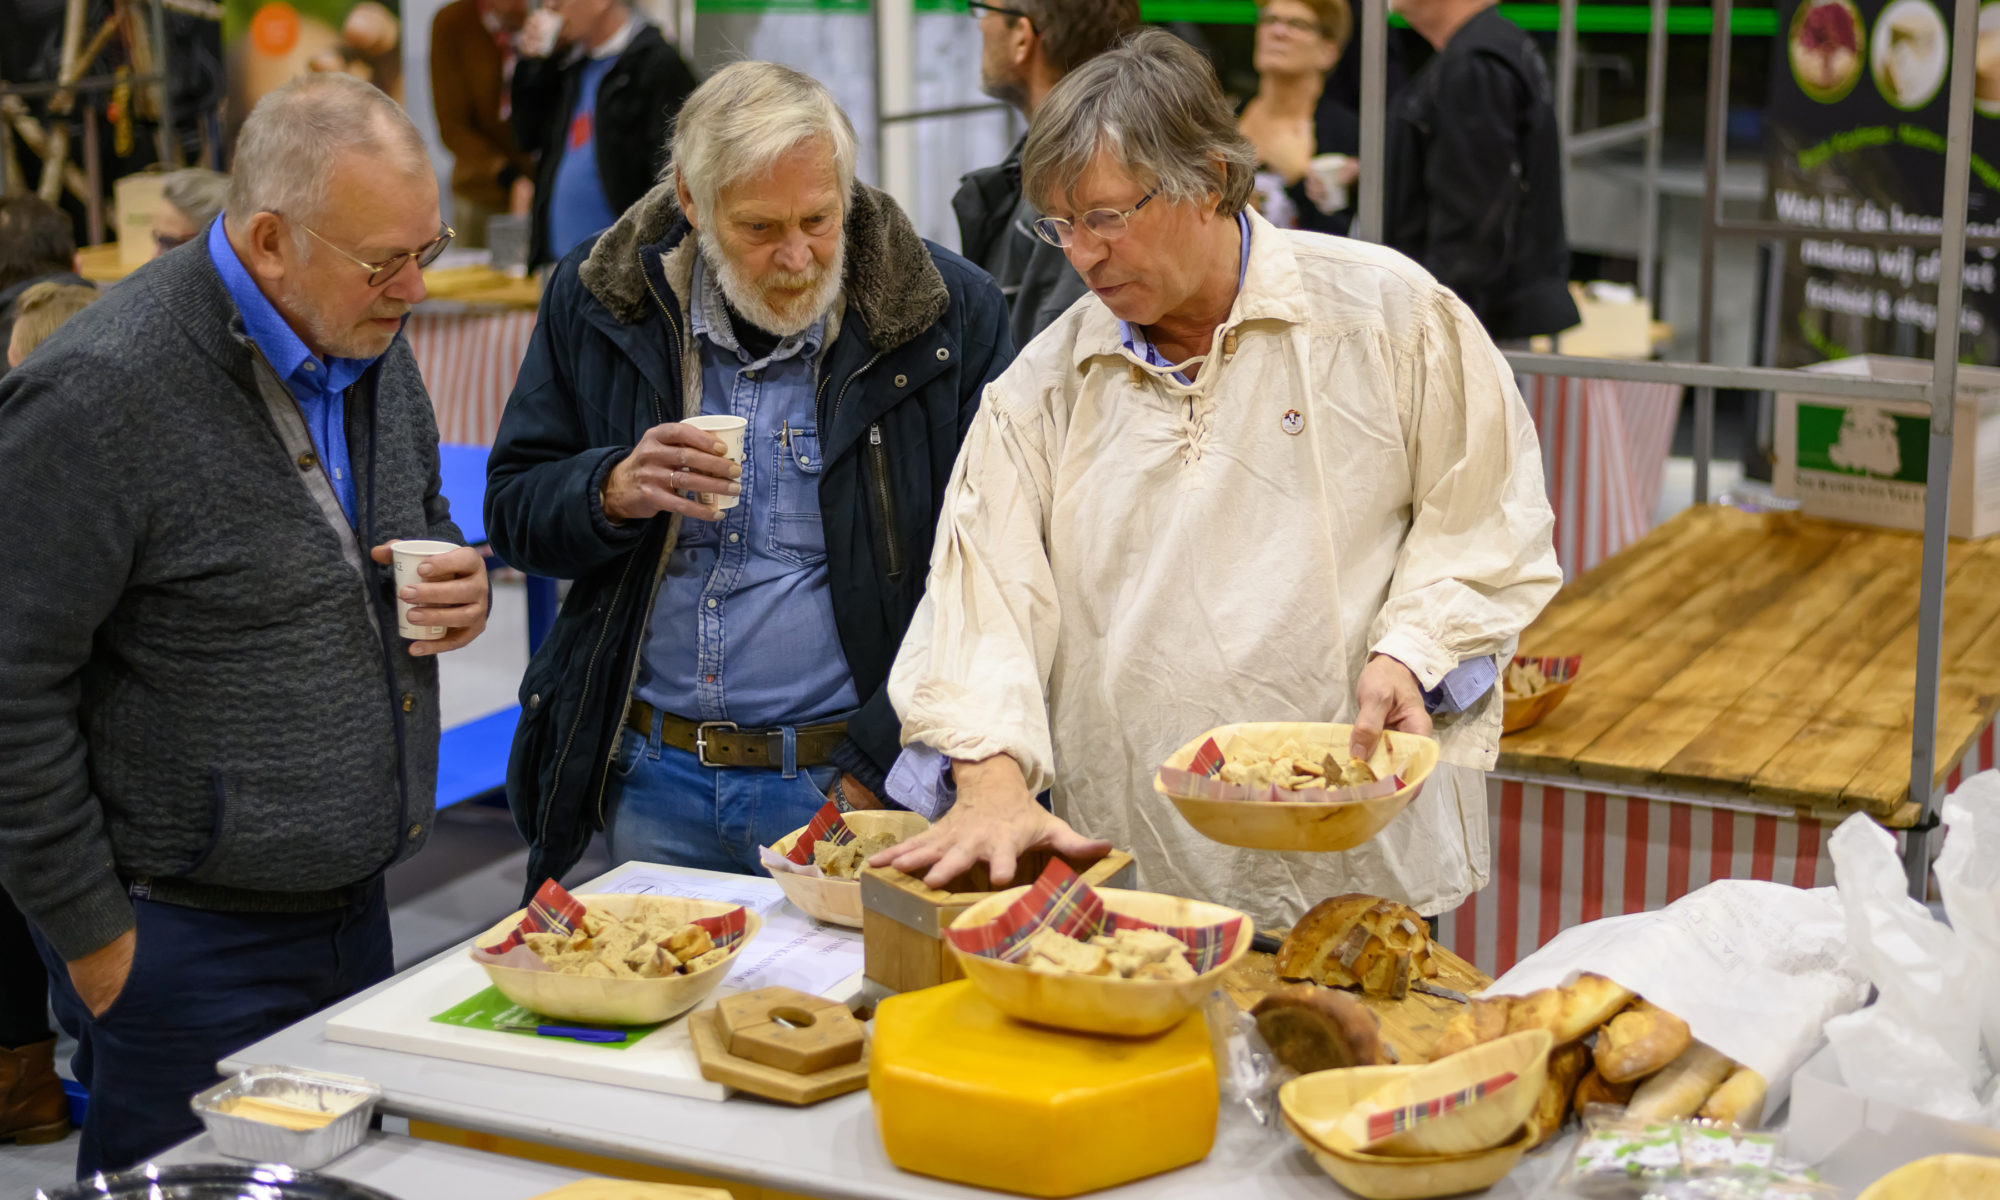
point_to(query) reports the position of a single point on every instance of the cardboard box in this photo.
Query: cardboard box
(1867, 461)
(1614, 323)
(1854, 1140)
(136, 198)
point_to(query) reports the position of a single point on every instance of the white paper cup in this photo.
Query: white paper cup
(406, 556)
(730, 430)
(1327, 170)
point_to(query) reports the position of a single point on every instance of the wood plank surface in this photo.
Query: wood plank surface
(1766, 656)
(1411, 1025)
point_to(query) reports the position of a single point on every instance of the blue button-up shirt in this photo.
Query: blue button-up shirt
(319, 385)
(742, 626)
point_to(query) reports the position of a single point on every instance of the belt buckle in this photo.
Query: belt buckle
(701, 741)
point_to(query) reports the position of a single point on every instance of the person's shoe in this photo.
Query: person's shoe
(33, 1106)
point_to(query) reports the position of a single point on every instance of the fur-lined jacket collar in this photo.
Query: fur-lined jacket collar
(890, 279)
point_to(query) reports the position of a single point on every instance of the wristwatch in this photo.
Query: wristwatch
(840, 796)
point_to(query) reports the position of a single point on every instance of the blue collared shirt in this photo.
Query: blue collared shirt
(319, 385)
(742, 626)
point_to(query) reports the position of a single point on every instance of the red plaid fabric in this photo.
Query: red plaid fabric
(554, 910)
(1393, 1121)
(826, 826)
(1557, 669)
(1060, 900)
(725, 929)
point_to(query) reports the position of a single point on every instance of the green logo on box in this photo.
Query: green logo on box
(1863, 440)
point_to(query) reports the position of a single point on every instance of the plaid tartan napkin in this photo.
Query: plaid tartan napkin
(826, 826)
(1558, 670)
(1060, 900)
(554, 910)
(1386, 1123)
(1200, 781)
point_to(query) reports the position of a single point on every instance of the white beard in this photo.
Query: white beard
(747, 296)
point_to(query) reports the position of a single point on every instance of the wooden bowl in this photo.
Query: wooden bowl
(838, 901)
(1940, 1177)
(1283, 825)
(1521, 712)
(616, 1001)
(1334, 1111)
(1095, 1003)
(1378, 1177)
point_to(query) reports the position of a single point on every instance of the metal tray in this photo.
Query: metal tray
(216, 1181)
(262, 1142)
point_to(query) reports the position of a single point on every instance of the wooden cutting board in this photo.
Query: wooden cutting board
(1412, 1025)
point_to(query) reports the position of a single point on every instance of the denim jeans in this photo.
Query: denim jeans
(663, 806)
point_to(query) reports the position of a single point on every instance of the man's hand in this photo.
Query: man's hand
(521, 196)
(539, 34)
(454, 594)
(99, 976)
(669, 460)
(857, 794)
(995, 821)
(1387, 697)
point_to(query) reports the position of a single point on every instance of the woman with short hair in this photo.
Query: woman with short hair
(1293, 118)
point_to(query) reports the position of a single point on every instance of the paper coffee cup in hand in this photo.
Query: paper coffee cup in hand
(730, 431)
(406, 556)
(1327, 187)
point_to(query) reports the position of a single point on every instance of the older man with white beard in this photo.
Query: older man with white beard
(717, 672)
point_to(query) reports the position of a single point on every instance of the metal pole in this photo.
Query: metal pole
(1711, 191)
(168, 137)
(1656, 121)
(1937, 483)
(1565, 76)
(1374, 118)
(895, 92)
(93, 172)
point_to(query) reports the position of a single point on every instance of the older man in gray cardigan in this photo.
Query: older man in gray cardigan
(212, 740)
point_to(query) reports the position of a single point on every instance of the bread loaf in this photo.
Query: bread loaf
(1566, 1068)
(1482, 1021)
(1679, 1088)
(1592, 1089)
(1739, 1101)
(1360, 941)
(1568, 1013)
(1640, 1041)
(1312, 1028)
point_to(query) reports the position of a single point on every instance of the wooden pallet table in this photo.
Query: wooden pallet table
(1748, 681)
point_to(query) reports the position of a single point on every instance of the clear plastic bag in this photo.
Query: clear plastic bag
(1247, 1073)
(1623, 1158)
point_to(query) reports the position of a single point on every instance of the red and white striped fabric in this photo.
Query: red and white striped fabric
(469, 361)
(1604, 447)
(1565, 856)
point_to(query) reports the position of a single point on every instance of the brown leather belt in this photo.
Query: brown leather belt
(724, 744)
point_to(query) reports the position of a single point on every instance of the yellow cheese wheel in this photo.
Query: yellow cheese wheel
(964, 1092)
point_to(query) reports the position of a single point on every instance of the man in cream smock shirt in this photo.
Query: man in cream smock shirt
(1261, 476)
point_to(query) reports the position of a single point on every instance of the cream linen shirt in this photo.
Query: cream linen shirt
(1126, 561)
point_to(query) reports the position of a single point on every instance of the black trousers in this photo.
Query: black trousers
(24, 985)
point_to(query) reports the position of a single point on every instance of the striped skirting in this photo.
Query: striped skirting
(1604, 447)
(1564, 856)
(469, 361)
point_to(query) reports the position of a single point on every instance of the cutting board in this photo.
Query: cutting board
(1412, 1025)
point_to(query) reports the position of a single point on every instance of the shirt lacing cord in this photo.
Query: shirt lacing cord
(1174, 377)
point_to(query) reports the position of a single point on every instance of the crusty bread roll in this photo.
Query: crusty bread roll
(1482, 1021)
(1313, 1028)
(1739, 1101)
(1592, 1089)
(1678, 1088)
(1640, 1041)
(1359, 940)
(1569, 1013)
(1566, 1068)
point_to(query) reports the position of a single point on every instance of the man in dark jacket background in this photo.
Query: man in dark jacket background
(718, 672)
(1474, 190)
(594, 93)
(212, 741)
(1026, 47)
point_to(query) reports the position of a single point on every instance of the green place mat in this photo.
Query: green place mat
(489, 1007)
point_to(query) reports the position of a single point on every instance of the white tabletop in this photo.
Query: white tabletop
(830, 1149)
(414, 1169)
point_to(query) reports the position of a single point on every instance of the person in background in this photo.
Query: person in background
(716, 675)
(472, 68)
(1025, 48)
(1095, 602)
(37, 245)
(594, 94)
(1294, 117)
(1474, 187)
(189, 200)
(213, 744)
(33, 1105)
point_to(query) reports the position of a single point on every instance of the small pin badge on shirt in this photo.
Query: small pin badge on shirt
(1293, 422)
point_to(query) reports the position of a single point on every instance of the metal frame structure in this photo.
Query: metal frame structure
(1649, 129)
(1940, 393)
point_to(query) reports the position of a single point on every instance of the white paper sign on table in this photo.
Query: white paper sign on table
(790, 951)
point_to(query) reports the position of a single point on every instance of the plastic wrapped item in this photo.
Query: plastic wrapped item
(1623, 1158)
(1247, 1073)
(1619, 1158)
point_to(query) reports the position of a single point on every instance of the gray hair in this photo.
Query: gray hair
(197, 193)
(286, 152)
(1153, 103)
(745, 118)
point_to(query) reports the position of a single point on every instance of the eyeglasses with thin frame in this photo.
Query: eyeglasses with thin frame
(1108, 224)
(380, 273)
(1303, 25)
(976, 8)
